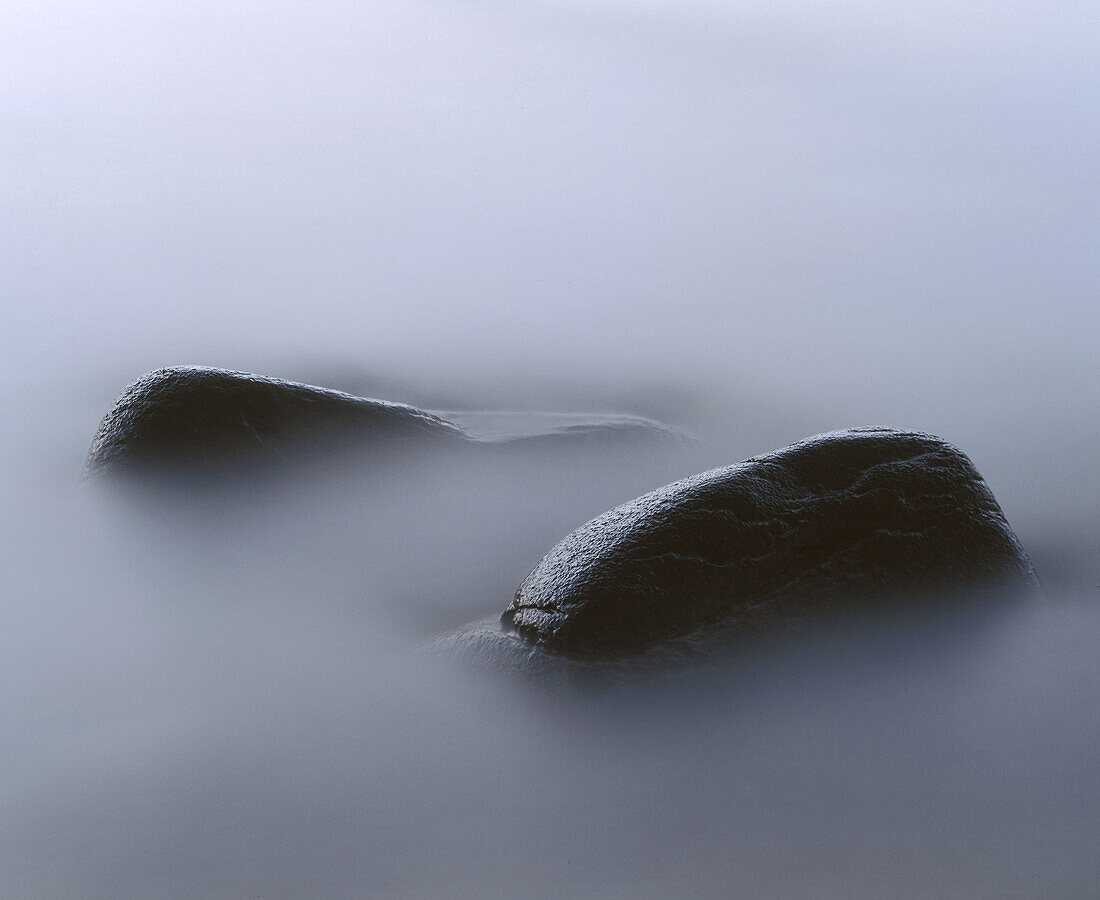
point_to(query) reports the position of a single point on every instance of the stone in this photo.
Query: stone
(189, 417)
(200, 420)
(855, 519)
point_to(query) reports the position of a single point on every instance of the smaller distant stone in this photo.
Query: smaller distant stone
(192, 417)
(849, 519)
(197, 420)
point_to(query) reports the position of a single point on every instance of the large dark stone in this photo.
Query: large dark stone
(842, 520)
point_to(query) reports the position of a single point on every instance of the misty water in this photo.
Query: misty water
(754, 222)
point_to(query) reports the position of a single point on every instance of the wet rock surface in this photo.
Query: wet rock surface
(189, 419)
(850, 519)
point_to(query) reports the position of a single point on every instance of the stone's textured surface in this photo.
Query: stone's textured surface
(836, 520)
(189, 415)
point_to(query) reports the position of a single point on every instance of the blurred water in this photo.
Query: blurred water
(755, 221)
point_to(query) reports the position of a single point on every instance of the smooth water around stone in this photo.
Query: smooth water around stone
(758, 221)
(228, 696)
